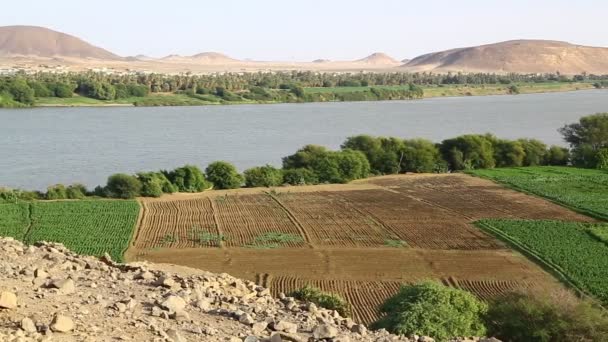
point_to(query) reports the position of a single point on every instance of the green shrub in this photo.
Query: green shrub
(124, 186)
(508, 153)
(557, 156)
(535, 152)
(76, 191)
(56, 192)
(263, 176)
(223, 175)
(300, 177)
(468, 152)
(420, 155)
(433, 309)
(154, 184)
(352, 165)
(602, 159)
(325, 300)
(187, 178)
(546, 318)
(586, 138)
(304, 157)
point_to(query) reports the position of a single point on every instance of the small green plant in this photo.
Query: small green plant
(274, 240)
(395, 243)
(325, 300)
(201, 237)
(168, 239)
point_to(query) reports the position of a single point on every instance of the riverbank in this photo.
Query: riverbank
(330, 94)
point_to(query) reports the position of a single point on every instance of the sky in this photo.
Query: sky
(310, 29)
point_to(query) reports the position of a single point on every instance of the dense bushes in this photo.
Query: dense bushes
(154, 184)
(432, 309)
(263, 176)
(223, 175)
(188, 178)
(587, 138)
(123, 186)
(329, 166)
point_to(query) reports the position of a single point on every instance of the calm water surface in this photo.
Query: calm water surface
(43, 146)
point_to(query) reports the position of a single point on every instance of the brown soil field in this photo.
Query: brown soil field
(360, 240)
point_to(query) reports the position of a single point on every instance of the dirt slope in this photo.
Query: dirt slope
(43, 42)
(522, 56)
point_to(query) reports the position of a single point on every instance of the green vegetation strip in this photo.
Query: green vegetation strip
(583, 190)
(569, 249)
(87, 227)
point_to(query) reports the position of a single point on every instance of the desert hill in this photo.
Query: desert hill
(43, 42)
(522, 56)
(378, 58)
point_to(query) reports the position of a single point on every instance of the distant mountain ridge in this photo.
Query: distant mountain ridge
(43, 42)
(379, 58)
(521, 56)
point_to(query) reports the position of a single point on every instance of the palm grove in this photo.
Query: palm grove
(359, 157)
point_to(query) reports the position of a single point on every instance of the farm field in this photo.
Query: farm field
(581, 189)
(576, 250)
(91, 227)
(359, 240)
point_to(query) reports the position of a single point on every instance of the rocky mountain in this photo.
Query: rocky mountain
(379, 58)
(521, 56)
(204, 57)
(42, 42)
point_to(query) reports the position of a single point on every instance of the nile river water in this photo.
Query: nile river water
(44, 146)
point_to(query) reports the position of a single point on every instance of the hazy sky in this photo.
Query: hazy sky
(310, 29)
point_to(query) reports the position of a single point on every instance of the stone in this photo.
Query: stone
(286, 327)
(175, 336)
(259, 328)
(323, 331)
(65, 286)
(8, 300)
(40, 273)
(62, 324)
(174, 303)
(246, 319)
(28, 325)
(359, 329)
(250, 339)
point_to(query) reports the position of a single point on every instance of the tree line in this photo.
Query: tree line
(23, 89)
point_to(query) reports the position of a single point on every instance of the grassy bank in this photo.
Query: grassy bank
(328, 94)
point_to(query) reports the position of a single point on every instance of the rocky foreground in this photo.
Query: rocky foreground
(48, 293)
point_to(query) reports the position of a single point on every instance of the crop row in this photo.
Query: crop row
(570, 249)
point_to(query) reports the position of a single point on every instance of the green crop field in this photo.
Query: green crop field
(91, 227)
(572, 249)
(584, 190)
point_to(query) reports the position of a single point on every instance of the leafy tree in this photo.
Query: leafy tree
(433, 309)
(263, 176)
(187, 178)
(303, 157)
(546, 318)
(300, 177)
(124, 186)
(62, 90)
(557, 155)
(76, 191)
(40, 89)
(327, 168)
(154, 184)
(468, 152)
(602, 159)
(420, 155)
(586, 138)
(508, 153)
(56, 192)
(371, 148)
(352, 165)
(21, 91)
(535, 152)
(223, 175)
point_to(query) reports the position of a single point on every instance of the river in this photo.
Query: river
(44, 146)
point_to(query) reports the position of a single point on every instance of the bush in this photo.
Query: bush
(56, 192)
(508, 153)
(124, 186)
(432, 309)
(542, 317)
(535, 152)
(62, 90)
(468, 152)
(325, 300)
(40, 89)
(586, 138)
(154, 184)
(21, 91)
(420, 155)
(223, 175)
(13, 196)
(263, 176)
(303, 157)
(76, 191)
(352, 165)
(371, 148)
(557, 156)
(187, 178)
(602, 159)
(300, 177)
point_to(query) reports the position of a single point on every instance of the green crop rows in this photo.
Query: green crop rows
(87, 227)
(569, 248)
(584, 190)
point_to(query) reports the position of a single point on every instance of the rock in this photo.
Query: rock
(204, 304)
(28, 325)
(175, 336)
(286, 327)
(165, 281)
(8, 300)
(246, 319)
(40, 273)
(250, 339)
(491, 339)
(323, 331)
(65, 286)
(174, 304)
(426, 339)
(62, 324)
(259, 328)
(359, 329)
(145, 275)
